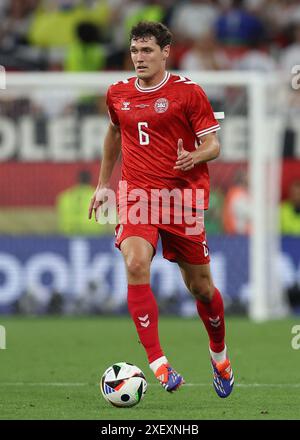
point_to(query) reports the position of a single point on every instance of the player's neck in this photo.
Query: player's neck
(153, 81)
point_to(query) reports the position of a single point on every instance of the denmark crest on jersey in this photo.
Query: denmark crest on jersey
(161, 105)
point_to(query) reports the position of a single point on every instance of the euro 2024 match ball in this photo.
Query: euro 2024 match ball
(123, 385)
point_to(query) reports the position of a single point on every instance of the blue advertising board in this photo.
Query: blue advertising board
(71, 265)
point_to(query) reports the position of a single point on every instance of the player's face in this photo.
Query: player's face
(148, 58)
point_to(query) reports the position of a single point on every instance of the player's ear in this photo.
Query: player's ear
(166, 52)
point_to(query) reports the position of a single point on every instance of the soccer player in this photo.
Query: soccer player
(166, 129)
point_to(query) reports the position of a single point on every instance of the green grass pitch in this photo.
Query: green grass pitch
(51, 367)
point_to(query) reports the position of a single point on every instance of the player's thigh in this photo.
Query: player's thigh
(137, 248)
(178, 246)
(137, 253)
(124, 231)
(192, 256)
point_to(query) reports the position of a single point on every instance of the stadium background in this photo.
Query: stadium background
(54, 262)
(52, 259)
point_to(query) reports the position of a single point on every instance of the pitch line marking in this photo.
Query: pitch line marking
(85, 384)
(45, 384)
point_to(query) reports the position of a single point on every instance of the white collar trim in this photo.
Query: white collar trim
(154, 88)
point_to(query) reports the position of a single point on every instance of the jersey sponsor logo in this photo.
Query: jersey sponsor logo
(161, 105)
(125, 105)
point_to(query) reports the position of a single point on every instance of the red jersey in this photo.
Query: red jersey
(151, 121)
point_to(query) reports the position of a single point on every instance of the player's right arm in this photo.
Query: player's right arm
(111, 152)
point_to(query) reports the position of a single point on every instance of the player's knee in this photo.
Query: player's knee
(137, 267)
(202, 289)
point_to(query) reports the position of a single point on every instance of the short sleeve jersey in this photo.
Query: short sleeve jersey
(151, 121)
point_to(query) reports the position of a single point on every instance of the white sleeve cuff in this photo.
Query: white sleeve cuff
(208, 130)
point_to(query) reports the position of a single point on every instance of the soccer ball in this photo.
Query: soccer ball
(123, 384)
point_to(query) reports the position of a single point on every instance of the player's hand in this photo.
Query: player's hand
(185, 159)
(97, 200)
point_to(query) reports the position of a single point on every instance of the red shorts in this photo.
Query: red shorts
(191, 249)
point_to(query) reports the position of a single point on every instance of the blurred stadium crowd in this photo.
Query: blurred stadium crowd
(92, 35)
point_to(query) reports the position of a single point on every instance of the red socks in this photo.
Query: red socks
(144, 312)
(212, 315)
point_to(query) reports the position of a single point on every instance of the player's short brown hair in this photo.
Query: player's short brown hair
(152, 29)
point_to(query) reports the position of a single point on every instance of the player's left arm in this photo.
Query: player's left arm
(209, 150)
